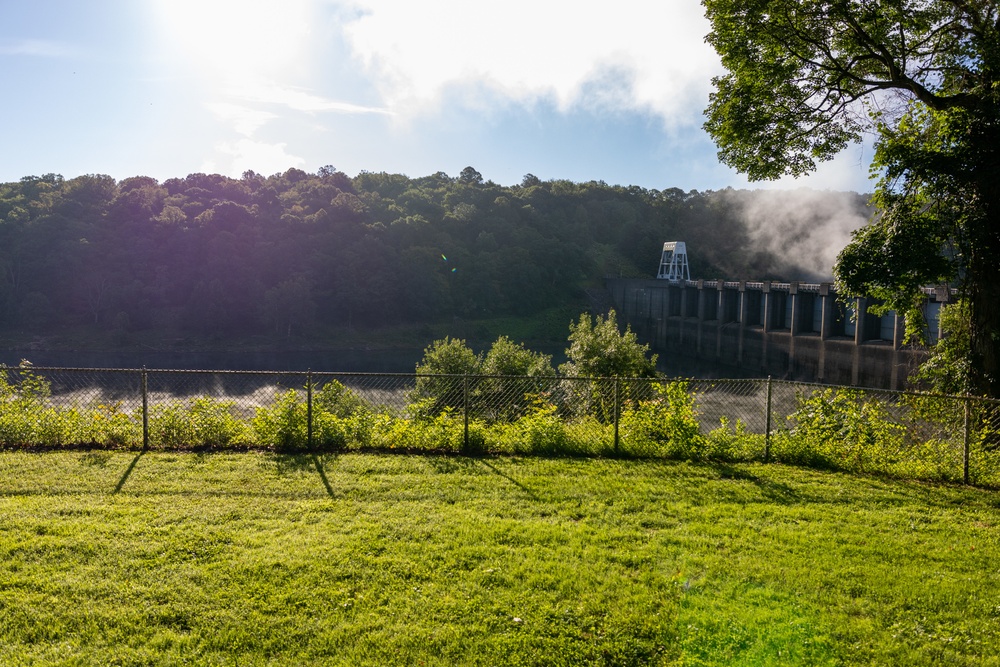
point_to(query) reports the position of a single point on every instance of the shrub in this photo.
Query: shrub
(842, 429)
(733, 443)
(666, 425)
(539, 432)
(108, 425)
(362, 428)
(440, 386)
(329, 431)
(195, 422)
(515, 382)
(26, 418)
(444, 431)
(282, 425)
(336, 399)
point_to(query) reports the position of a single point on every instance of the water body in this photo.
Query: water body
(345, 361)
(333, 361)
(685, 366)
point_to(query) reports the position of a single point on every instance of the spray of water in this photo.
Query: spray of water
(801, 230)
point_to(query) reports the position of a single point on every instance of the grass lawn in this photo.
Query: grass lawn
(257, 559)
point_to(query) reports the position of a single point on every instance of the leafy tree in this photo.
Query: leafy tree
(505, 357)
(513, 395)
(470, 176)
(211, 254)
(806, 78)
(337, 399)
(530, 181)
(599, 349)
(947, 369)
(448, 356)
(289, 306)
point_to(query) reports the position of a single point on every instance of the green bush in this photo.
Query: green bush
(336, 399)
(196, 422)
(440, 386)
(26, 418)
(541, 431)
(362, 428)
(108, 425)
(843, 429)
(733, 443)
(912, 435)
(666, 425)
(444, 431)
(283, 425)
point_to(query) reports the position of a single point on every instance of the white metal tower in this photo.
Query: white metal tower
(674, 262)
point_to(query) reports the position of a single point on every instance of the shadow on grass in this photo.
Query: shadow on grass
(301, 462)
(128, 472)
(450, 463)
(496, 471)
(322, 475)
(778, 492)
(292, 463)
(98, 459)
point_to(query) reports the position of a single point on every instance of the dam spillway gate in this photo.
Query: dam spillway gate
(793, 330)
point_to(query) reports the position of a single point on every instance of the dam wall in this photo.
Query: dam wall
(796, 331)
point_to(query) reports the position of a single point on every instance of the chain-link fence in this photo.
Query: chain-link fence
(904, 434)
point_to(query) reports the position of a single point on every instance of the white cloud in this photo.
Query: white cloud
(297, 100)
(255, 59)
(847, 171)
(223, 39)
(634, 55)
(247, 154)
(246, 121)
(36, 47)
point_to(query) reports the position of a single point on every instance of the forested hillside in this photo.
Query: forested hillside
(280, 254)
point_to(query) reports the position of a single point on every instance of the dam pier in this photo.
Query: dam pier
(794, 330)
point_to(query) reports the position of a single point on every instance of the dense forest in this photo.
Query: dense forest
(283, 253)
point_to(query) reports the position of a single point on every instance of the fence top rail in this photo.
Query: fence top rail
(67, 369)
(581, 378)
(873, 390)
(191, 371)
(320, 374)
(188, 371)
(335, 374)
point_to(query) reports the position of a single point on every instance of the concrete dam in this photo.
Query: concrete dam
(797, 331)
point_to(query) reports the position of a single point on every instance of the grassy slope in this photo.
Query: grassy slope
(113, 558)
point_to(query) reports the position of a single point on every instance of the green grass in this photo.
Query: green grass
(259, 559)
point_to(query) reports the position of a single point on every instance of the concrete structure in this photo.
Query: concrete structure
(788, 330)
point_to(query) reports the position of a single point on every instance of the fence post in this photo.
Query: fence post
(617, 413)
(465, 410)
(309, 408)
(965, 447)
(767, 428)
(145, 411)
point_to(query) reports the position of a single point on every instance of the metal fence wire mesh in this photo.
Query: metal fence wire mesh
(905, 434)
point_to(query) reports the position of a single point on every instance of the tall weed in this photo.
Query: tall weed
(664, 426)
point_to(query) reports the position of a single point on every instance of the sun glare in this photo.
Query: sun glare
(230, 41)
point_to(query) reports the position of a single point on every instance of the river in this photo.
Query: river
(334, 361)
(346, 361)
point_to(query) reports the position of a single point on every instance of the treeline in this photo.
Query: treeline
(212, 254)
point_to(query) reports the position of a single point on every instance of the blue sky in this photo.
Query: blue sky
(561, 89)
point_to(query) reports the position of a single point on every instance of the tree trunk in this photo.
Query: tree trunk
(983, 282)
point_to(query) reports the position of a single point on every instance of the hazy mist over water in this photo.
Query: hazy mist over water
(803, 230)
(347, 361)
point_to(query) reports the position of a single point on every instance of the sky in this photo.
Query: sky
(562, 89)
